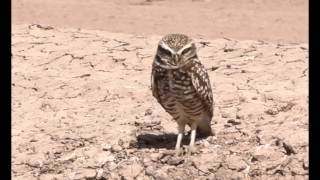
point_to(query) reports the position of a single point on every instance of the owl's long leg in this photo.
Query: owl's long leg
(179, 137)
(192, 138)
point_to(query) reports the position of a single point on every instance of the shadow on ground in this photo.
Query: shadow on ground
(168, 141)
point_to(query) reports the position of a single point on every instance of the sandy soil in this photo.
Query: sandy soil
(271, 20)
(82, 106)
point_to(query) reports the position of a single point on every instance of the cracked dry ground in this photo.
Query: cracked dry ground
(82, 109)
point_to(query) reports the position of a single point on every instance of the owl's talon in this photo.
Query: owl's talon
(179, 152)
(193, 150)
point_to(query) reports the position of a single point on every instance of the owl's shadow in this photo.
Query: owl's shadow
(166, 140)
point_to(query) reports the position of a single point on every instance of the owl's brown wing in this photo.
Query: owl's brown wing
(201, 83)
(154, 85)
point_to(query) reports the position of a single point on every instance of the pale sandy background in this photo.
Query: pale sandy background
(82, 106)
(274, 20)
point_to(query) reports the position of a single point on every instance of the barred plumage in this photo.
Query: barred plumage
(181, 85)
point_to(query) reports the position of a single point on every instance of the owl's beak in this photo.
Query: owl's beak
(176, 58)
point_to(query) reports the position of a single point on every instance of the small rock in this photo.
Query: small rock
(225, 115)
(116, 148)
(288, 148)
(155, 156)
(99, 173)
(106, 147)
(203, 166)
(175, 161)
(238, 116)
(212, 139)
(120, 142)
(99, 158)
(150, 171)
(213, 68)
(161, 175)
(50, 177)
(111, 166)
(146, 161)
(272, 111)
(266, 152)
(235, 163)
(114, 175)
(233, 122)
(205, 143)
(84, 174)
(128, 142)
(35, 163)
(131, 171)
(249, 58)
(305, 164)
(130, 151)
(148, 112)
(33, 140)
(68, 157)
(228, 142)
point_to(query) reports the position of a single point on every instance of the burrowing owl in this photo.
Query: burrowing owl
(181, 85)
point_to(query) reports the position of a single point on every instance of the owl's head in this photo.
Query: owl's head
(175, 50)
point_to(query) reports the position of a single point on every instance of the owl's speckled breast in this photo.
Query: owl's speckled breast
(177, 95)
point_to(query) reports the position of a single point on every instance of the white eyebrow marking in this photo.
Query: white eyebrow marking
(184, 47)
(164, 46)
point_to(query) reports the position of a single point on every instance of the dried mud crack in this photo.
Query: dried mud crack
(82, 109)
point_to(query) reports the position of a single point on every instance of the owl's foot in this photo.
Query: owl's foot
(192, 150)
(179, 152)
(175, 152)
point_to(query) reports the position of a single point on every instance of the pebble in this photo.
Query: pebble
(205, 143)
(212, 139)
(236, 163)
(238, 116)
(112, 165)
(50, 177)
(68, 157)
(160, 175)
(106, 147)
(99, 173)
(150, 171)
(148, 112)
(146, 161)
(228, 142)
(116, 148)
(225, 115)
(175, 161)
(85, 174)
(131, 171)
(233, 122)
(155, 156)
(36, 163)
